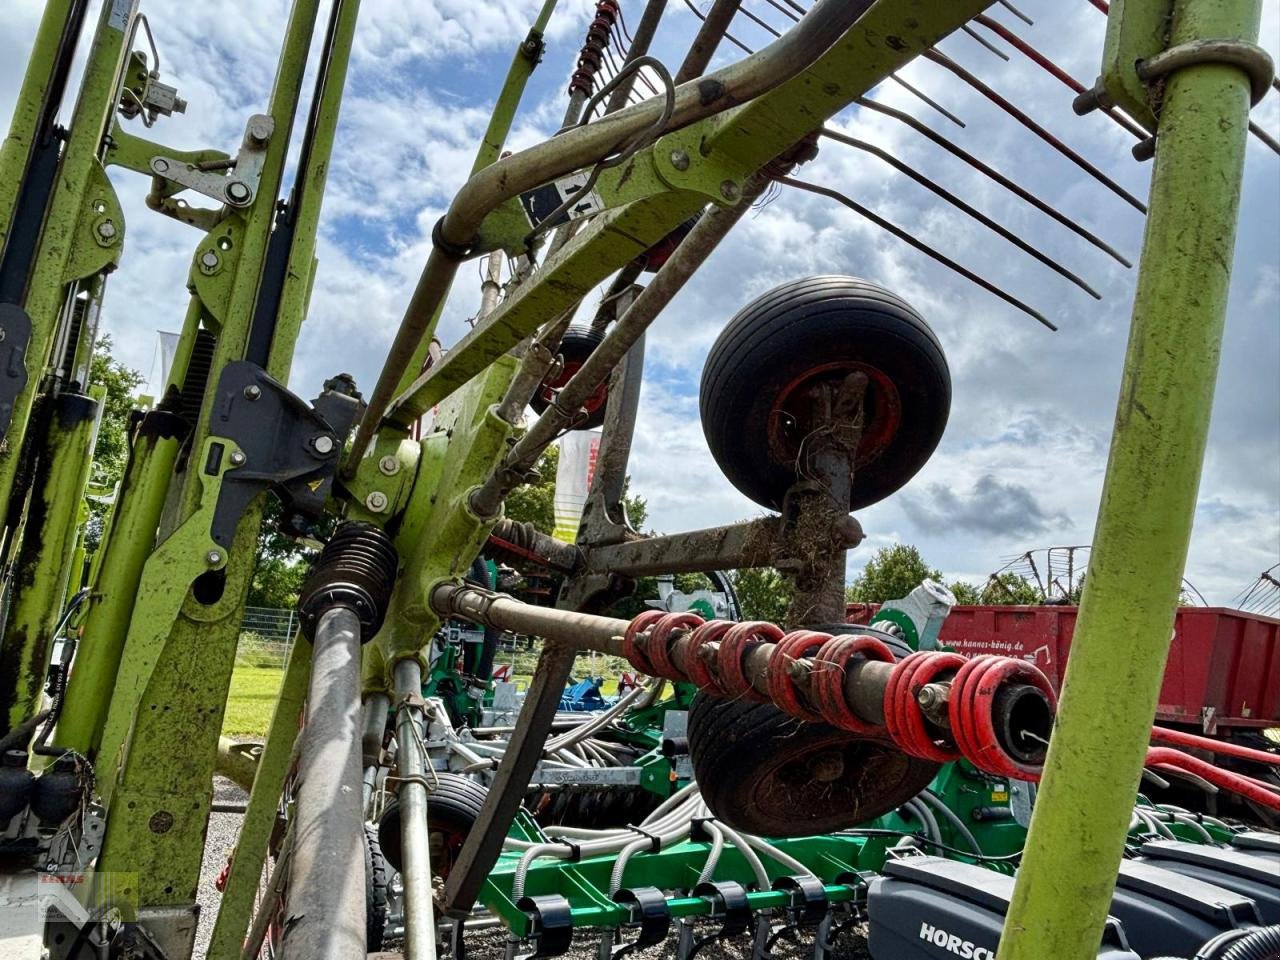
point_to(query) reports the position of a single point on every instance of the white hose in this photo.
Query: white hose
(753, 861)
(600, 720)
(558, 850)
(713, 855)
(620, 865)
(773, 853)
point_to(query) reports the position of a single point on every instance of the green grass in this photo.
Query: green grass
(253, 692)
(251, 700)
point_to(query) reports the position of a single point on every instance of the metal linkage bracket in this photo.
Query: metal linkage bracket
(232, 181)
(15, 335)
(275, 441)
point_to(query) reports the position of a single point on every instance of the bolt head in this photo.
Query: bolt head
(680, 159)
(238, 459)
(729, 190)
(106, 229)
(389, 465)
(928, 697)
(376, 501)
(160, 165)
(259, 129)
(252, 392)
(238, 191)
(213, 557)
(323, 444)
(209, 259)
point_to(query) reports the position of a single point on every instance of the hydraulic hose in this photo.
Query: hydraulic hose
(926, 818)
(933, 800)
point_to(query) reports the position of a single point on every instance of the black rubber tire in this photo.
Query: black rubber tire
(836, 325)
(453, 806)
(377, 875)
(756, 769)
(577, 344)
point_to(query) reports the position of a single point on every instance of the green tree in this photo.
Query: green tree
(893, 572)
(1011, 589)
(111, 450)
(281, 563)
(965, 592)
(763, 593)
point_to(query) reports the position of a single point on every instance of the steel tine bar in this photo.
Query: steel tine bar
(926, 99)
(712, 227)
(985, 43)
(996, 176)
(783, 10)
(1041, 60)
(1265, 137)
(707, 39)
(960, 204)
(1017, 13)
(763, 24)
(622, 22)
(796, 7)
(947, 63)
(737, 83)
(727, 35)
(645, 30)
(618, 42)
(918, 244)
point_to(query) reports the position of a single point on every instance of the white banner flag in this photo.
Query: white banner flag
(578, 450)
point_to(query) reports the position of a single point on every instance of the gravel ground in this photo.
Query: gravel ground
(481, 945)
(218, 844)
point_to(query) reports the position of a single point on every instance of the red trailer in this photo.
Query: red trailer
(1223, 669)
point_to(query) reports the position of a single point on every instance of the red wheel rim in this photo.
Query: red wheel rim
(790, 413)
(551, 388)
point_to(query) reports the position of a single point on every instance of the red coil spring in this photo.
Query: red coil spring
(902, 713)
(826, 683)
(737, 642)
(782, 686)
(972, 706)
(649, 642)
(700, 671)
(631, 648)
(591, 56)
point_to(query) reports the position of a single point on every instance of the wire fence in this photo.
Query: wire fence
(266, 636)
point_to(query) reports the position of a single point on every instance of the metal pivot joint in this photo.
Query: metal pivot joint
(281, 443)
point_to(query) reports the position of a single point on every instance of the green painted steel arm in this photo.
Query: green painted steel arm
(1065, 885)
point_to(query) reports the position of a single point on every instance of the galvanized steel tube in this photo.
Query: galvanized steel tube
(325, 901)
(419, 926)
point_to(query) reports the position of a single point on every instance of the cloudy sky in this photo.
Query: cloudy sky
(1022, 461)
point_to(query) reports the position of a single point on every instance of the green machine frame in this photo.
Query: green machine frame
(159, 626)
